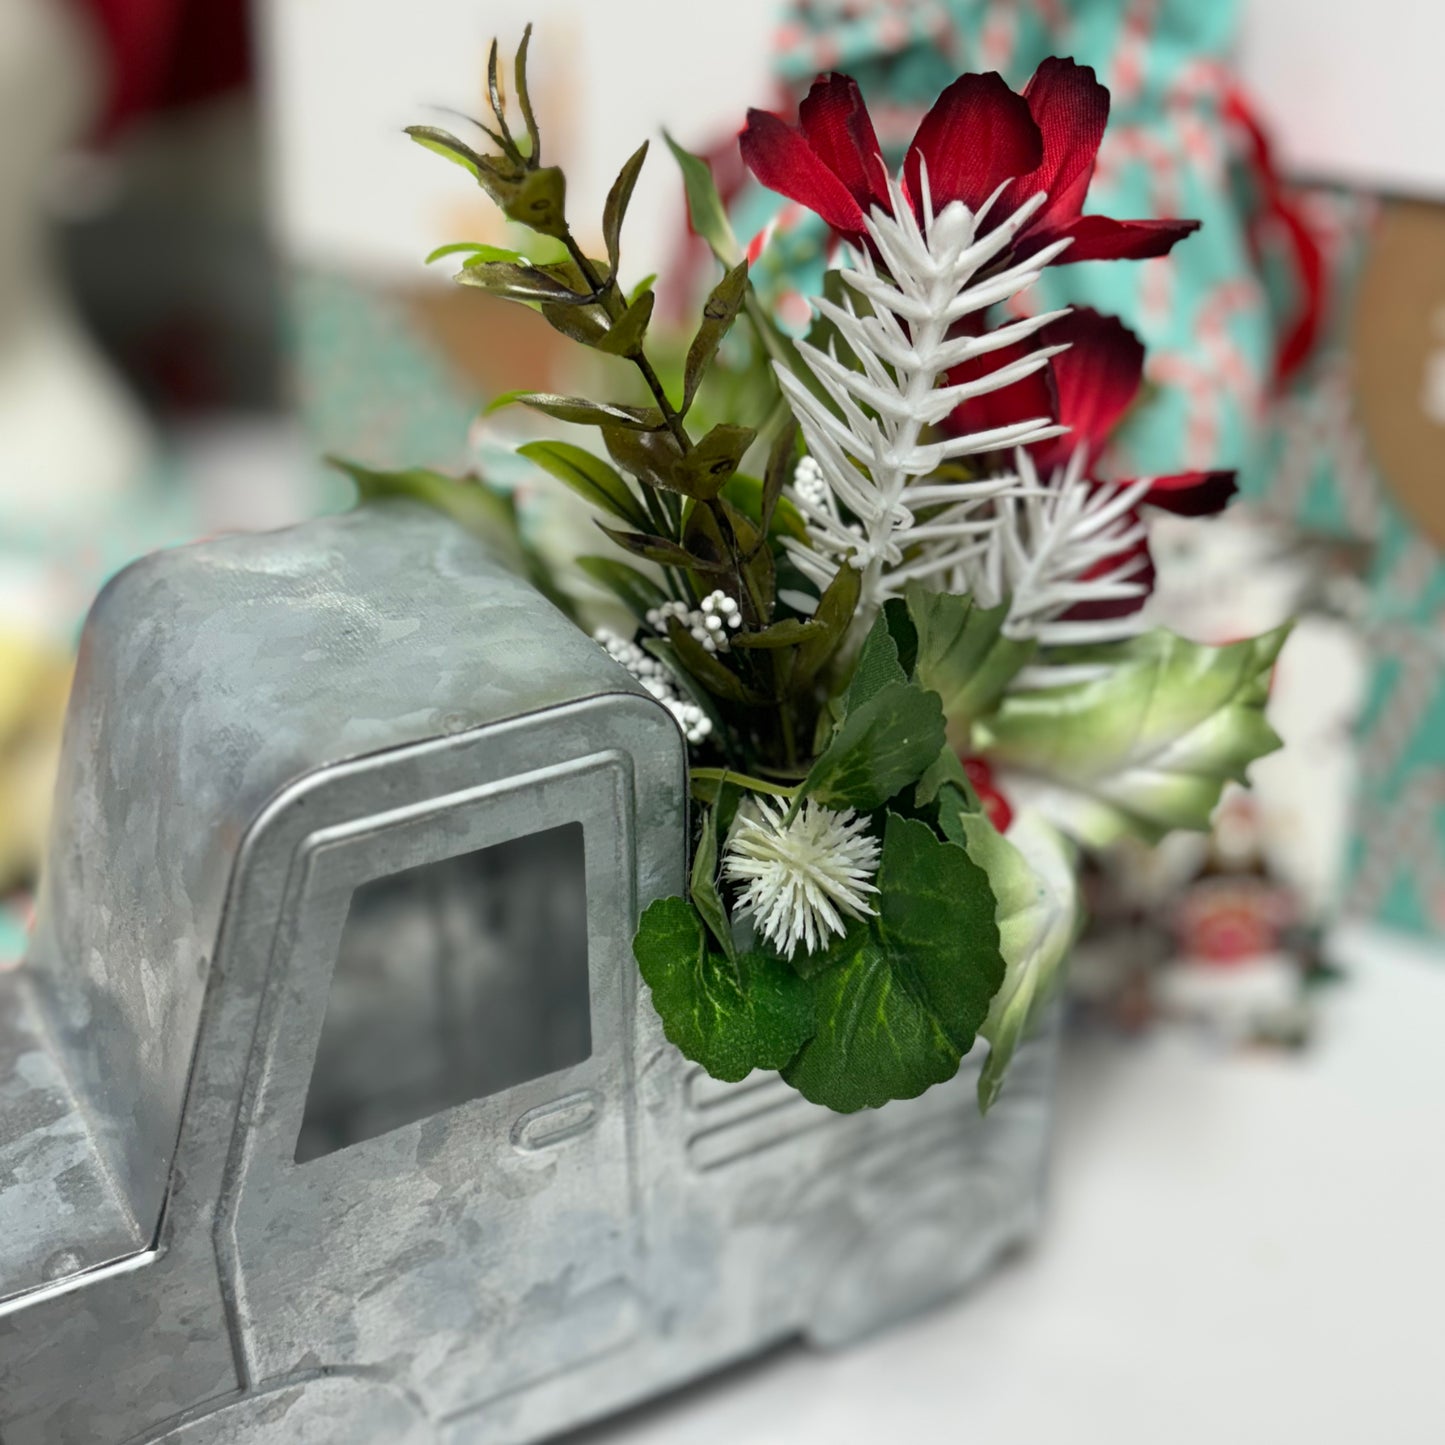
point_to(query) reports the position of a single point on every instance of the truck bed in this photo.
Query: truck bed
(61, 1212)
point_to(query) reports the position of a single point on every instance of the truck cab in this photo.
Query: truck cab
(331, 1103)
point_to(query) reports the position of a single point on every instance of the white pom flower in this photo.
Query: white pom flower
(801, 877)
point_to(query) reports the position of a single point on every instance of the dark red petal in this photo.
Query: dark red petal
(836, 124)
(783, 161)
(1024, 400)
(1097, 379)
(1117, 606)
(1098, 238)
(1192, 494)
(1071, 110)
(978, 135)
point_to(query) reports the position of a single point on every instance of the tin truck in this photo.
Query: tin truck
(332, 1107)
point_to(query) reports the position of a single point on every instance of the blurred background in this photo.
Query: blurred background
(212, 243)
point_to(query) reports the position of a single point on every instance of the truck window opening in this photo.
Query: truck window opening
(454, 981)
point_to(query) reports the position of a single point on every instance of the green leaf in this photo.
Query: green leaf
(880, 747)
(703, 665)
(1148, 746)
(746, 494)
(540, 201)
(644, 285)
(494, 95)
(446, 145)
(706, 784)
(503, 400)
(901, 997)
(835, 612)
(702, 535)
(729, 1019)
(478, 507)
(903, 632)
(660, 550)
(1033, 878)
(703, 885)
(590, 477)
(520, 283)
(580, 315)
(877, 666)
(782, 458)
(705, 210)
(759, 572)
(479, 253)
(963, 655)
(524, 98)
(651, 456)
(718, 314)
(786, 632)
(706, 469)
(624, 337)
(581, 412)
(618, 199)
(635, 591)
(945, 770)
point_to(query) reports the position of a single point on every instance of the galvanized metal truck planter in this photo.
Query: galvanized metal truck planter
(332, 1108)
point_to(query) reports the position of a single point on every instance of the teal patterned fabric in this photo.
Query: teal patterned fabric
(1398, 851)
(72, 556)
(1211, 315)
(370, 385)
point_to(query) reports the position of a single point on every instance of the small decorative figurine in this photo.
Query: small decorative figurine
(398, 1058)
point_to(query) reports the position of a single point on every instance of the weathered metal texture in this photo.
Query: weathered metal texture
(261, 727)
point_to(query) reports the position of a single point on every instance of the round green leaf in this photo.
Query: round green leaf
(730, 1019)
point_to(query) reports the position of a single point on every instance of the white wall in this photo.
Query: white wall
(1353, 90)
(344, 76)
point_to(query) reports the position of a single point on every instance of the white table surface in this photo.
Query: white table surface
(1246, 1248)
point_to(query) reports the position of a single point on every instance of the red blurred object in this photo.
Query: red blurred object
(995, 806)
(1278, 210)
(164, 53)
(1230, 919)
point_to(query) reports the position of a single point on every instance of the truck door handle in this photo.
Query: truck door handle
(549, 1125)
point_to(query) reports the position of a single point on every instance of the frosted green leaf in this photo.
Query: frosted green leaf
(1032, 876)
(1148, 746)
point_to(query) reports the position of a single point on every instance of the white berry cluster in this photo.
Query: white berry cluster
(694, 722)
(710, 621)
(808, 482)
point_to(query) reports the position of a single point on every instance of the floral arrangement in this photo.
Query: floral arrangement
(876, 574)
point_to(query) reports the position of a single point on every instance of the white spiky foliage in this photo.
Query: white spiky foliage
(1050, 537)
(869, 446)
(803, 875)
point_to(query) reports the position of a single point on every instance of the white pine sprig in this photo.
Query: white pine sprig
(1048, 538)
(868, 445)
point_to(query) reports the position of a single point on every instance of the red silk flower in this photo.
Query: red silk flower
(978, 137)
(1087, 388)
